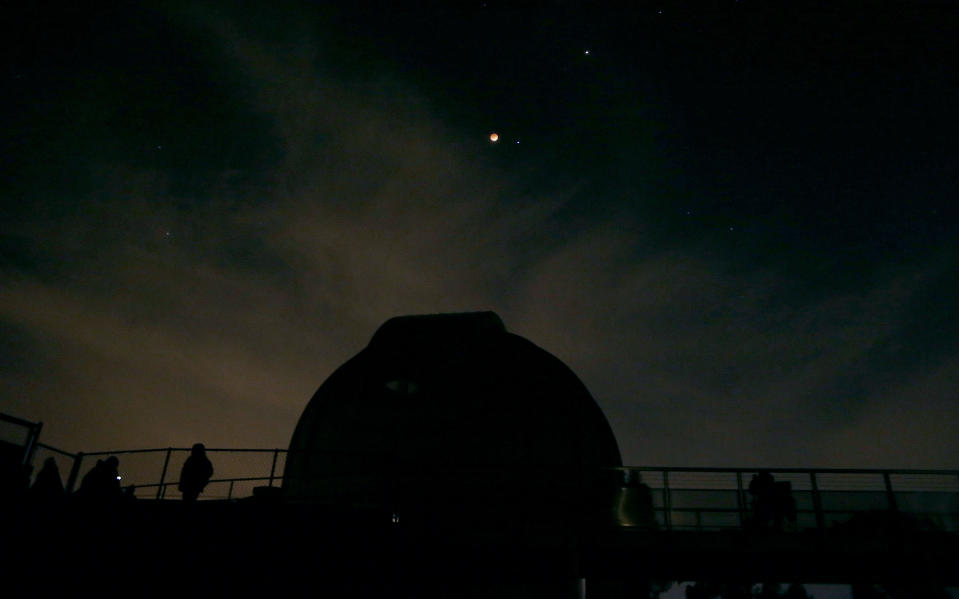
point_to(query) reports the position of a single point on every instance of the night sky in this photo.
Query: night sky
(736, 223)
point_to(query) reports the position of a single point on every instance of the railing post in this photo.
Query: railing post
(74, 472)
(740, 500)
(667, 503)
(31, 445)
(889, 494)
(166, 463)
(817, 503)
(273, 467)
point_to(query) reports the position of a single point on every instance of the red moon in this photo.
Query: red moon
(493, 136)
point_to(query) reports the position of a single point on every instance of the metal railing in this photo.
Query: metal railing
(679, 498)
(719, 498)
(24, 435)
(157, 469)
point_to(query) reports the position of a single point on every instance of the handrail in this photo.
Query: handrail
(729, 470)
(207, 449)
(19, 421)
(672, 488)
(56, 450)
(214, 480)
(891, 490)
(704, 469)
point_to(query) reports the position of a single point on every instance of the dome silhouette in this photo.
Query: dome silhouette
(447, 405)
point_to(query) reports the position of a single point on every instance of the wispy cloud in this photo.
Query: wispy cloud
(216, 317)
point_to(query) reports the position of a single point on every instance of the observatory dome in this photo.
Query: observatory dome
(444, 399)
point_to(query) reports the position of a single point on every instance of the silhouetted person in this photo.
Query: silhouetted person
(768, 591)
(102, 482)
(639, 501)
(762, 487)
(89, 482)
(48, 486)
(795, 591)
(14, 479)
(602, 496)
(713, 590)
(129, 493)
(783, 505)
(773, 504)
(195, 474)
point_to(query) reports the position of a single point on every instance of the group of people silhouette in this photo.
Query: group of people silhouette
(102, 483)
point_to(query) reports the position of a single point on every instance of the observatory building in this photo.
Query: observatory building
(450, 417)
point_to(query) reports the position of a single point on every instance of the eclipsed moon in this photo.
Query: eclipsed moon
(493, 136)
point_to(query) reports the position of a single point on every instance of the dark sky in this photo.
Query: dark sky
(737, 224)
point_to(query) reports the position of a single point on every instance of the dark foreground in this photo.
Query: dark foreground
(223, 548)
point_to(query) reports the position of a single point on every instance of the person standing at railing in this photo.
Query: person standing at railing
(196, 473)
(773, 504)
(48, 487)
(638, 509)
(762, 487)
(102, 482)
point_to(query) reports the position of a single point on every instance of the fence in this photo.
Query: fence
(18, 439)
(154, 473)
(719, 498)
(681, 498)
